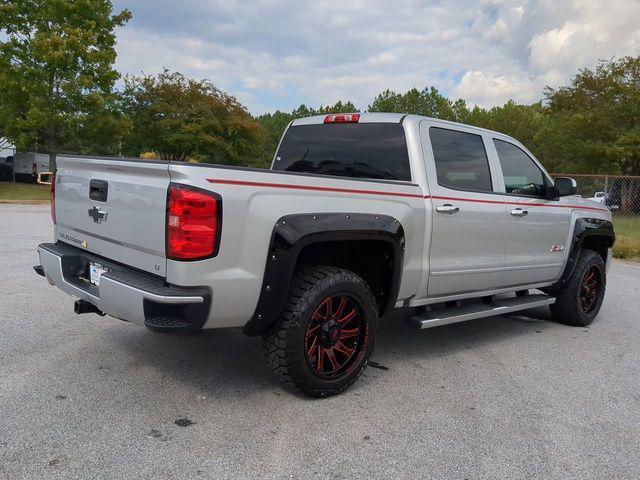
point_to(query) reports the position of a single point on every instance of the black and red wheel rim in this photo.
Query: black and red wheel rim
(590, 289)
(335, 336)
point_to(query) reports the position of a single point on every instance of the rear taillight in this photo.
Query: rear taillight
(53, 198)
(342, 118)
(194, 221)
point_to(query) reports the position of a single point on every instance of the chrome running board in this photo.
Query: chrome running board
(473, 311)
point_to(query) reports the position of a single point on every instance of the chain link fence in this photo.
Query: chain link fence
(621, 193)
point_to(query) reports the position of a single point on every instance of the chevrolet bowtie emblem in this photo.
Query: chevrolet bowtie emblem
(98, 215)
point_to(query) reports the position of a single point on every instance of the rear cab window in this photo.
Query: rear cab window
(358, 150)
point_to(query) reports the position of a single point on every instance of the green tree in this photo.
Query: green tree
(181, 118)
(56, 59)
(596, 121)
(103, 133)
(338, 107)
(526, 123)
(428, 102)
(274, 124)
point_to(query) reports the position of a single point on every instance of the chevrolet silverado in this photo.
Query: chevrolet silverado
(360, 214)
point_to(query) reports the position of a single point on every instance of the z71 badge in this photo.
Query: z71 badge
(556, 248)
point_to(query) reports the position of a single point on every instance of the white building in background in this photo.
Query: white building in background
(6, 148)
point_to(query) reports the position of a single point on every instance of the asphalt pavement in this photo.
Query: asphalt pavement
(518, 396)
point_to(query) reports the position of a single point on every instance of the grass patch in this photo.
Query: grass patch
(10, 192)
(627, 231)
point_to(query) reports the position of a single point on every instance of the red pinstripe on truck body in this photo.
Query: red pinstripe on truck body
(319, 188)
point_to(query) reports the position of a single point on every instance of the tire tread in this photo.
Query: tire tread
(303, 288)
(565, 309)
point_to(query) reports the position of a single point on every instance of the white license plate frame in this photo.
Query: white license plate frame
(95, 272)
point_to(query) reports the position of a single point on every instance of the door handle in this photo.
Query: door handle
(518, 212)
(448, 209)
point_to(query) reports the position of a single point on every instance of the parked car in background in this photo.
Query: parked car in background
(359, 215)
(605, 199)
(27, 165)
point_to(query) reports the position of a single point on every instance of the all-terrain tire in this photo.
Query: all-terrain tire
(286, 344)
(570, 307)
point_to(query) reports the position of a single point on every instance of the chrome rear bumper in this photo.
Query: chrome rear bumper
(123, 292)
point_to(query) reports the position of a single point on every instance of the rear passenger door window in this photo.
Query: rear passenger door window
(521, 174)
(461, 160)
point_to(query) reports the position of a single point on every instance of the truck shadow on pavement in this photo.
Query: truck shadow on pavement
(227, 363)
(395, 337)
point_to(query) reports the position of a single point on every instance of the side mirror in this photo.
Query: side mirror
(566, 186)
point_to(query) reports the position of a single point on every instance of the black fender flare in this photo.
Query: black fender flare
(584, 228)
(292, 233)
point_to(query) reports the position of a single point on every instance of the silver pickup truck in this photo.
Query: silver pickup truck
(359, 215)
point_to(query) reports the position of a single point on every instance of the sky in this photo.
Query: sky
(278, 54)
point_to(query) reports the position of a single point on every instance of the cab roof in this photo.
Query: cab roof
(380, 117)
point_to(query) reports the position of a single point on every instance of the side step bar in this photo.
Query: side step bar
(479, 310)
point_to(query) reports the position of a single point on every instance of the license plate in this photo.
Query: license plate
(95, 272)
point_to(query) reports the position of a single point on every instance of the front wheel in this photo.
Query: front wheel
(579, 300)
(322, 340)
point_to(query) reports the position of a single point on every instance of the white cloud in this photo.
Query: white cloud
(596, 30)
(280, 53)
(488, 90)
(496, 20)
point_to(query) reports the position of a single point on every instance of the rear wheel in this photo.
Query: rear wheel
(325, 335)
(579, 300)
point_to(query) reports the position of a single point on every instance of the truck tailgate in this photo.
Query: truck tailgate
(114, 208)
